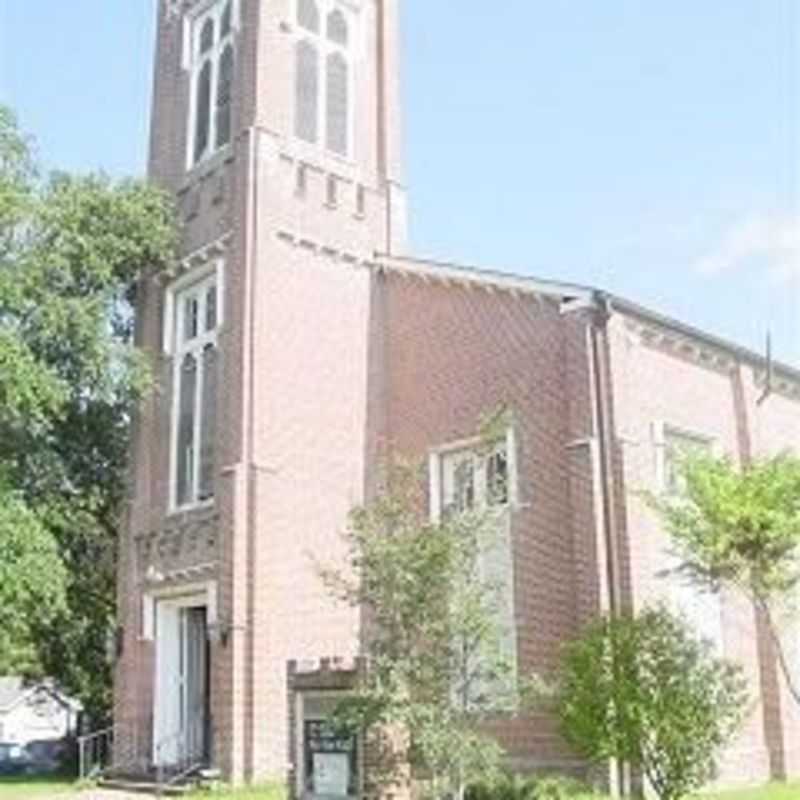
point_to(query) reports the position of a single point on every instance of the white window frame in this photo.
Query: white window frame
(324, 48)
(681, 597)
(197, 282)
(661, 433)
(193, 63)
(480, 452)
(436, 461)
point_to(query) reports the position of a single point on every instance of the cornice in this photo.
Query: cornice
(420, 271)
(669, 341)
(325, 250)
(780, 384)
(698, 350)
(197, 258)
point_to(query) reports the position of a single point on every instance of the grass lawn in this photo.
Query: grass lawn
(776, 791)
(21, 787)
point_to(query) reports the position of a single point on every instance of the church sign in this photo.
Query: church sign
(330, 761)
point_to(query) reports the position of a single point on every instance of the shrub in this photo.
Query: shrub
(518, 787)
(645, 690)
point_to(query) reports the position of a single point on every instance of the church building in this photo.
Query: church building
(298, 342)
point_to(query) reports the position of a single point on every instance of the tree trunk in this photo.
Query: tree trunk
(783, 662)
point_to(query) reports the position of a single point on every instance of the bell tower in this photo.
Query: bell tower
(276, 128)
(318, 78)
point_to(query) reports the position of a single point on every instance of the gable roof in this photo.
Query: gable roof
(448, 271)
(480, 276)
(13, 689)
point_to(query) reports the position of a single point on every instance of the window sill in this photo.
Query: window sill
(200, 509)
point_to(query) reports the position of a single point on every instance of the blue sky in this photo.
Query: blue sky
(650, 148)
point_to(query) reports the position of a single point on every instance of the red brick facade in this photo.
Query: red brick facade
(333, 355)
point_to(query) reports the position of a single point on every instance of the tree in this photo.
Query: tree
(644, 690)
(434, 647)
(32, 582)
(741, 528)
(71, 252)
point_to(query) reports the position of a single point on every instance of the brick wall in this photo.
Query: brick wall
(451, 355)
(660, 377)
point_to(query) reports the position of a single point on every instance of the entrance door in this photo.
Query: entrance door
(195, 684)
(181, 697)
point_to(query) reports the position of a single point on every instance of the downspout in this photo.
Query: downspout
(601, 392)
(606, 440)
(604, 436)
(252, 475)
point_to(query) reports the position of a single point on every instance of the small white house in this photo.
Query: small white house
(32, 712)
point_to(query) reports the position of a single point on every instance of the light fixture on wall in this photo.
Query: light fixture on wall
(220, 632)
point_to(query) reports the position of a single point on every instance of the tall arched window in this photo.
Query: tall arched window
(337, 104)
(202, 120)
(337, 28)
(212, 68)
(224, 96)
(195, 387)
(208, 429)
(306, 91)
(323, 75)
(308, 15)
(185, 462)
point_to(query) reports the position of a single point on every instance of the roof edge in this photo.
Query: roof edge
(448, 270)
(739, 351)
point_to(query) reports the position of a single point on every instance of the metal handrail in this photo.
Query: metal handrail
(96, 752)
(102, 750)
(88, 747)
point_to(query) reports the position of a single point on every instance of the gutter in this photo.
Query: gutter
(604, 432)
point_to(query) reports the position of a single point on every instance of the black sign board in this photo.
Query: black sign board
(331, 765)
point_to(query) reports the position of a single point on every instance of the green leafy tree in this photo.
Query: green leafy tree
(434, 647)
(741, 528)
(71, 251)
(32, 582)
(645, 691)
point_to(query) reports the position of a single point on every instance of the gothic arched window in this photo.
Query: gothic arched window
(308, 15)
(337, 104)
(226, 22)
(224, 96)
(212, 68)
(306, 91)
(207, 36)
(202, 119)
(337, 28)
(323, 91)
(195, 386)
(208, 430)
(185, 461)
